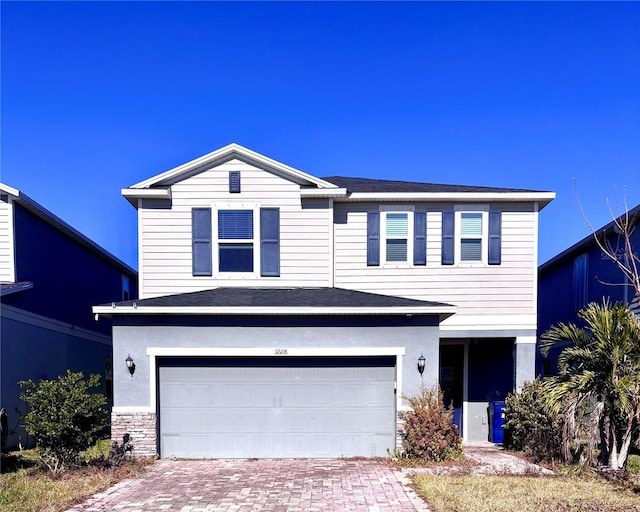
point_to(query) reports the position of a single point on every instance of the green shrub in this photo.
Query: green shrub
(633, 464)
(428, 431)
(64, 417)
(530, 427)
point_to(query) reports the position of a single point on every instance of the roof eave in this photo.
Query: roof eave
(323, 192)
(132, 195)
(542, 198)
(55, 221)
(226, 153)
(442, 311)
(587, 242)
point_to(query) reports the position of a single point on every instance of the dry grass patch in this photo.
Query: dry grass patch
(34, 490)
(498, 493)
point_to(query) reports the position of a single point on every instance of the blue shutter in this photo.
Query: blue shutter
(234, 182)
(373, 238)
(495, 238)
(201, 241)
(270, 242)
(448, 230)
(420, 238)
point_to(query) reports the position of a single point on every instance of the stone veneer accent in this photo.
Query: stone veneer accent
(141, 427)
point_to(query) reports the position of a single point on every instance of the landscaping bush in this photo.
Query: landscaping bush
(530, 427)
(64, 417)
(428, 432)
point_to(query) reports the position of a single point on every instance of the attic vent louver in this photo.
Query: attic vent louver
(234, 182)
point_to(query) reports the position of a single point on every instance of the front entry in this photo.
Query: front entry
(452, 379)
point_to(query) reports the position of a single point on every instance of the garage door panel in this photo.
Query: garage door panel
(275, 409)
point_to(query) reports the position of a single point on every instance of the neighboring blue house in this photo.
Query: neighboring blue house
(285, 315)
(581, 274)
(50, 276)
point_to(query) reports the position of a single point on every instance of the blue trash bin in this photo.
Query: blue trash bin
(496, 421)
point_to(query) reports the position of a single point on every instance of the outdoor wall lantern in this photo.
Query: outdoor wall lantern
(421, 363)
(131, 366)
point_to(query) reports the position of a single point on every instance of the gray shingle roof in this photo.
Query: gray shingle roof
(368, 185)
(281, 297)
(9, 288)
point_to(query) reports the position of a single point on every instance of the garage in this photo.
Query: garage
(270, 407)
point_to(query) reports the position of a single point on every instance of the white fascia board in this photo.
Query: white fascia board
(227, 152)
(9, 190)
(543, 198)
(323, 192)
(133, 194)
(444, 311)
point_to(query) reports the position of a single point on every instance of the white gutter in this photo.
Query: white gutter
(543, 197)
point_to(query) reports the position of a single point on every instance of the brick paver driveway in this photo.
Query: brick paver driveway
(261, 485)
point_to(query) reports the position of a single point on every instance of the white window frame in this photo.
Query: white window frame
(484, 237)
(384, 211)
(255, 208)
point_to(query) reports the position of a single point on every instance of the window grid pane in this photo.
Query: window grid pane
(396, 250)
(397, 225)
(471, 224)
(236, 257)
(471, 249)
(235, 224)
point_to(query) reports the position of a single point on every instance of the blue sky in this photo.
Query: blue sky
(98, 96)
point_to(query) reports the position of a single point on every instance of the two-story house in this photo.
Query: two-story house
(283, 315)
(50, 277)
(581, 274)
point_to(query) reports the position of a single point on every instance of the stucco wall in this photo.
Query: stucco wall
(416, 335)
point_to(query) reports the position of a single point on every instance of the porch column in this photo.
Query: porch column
(524, 360)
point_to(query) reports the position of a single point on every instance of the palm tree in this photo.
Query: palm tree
(600, 367)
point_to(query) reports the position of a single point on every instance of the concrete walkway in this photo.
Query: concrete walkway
(492, 459)
(485, 458)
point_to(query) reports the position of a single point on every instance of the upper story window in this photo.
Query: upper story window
(580, 281)
(125, 288)
(397, 241)
(396, 237)
(472, 235)
(245, 239)
(235, 241)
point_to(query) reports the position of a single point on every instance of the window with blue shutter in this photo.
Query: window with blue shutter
(234, 182)
(495, 238)
(471, 236)
(373, 238)
(235, 240)
(420, 238)
(396, 236)
(448, 237)
(201, 241)
(270, 242)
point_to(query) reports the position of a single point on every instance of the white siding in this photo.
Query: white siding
(7, 264)
(165, 244)
(506, 289)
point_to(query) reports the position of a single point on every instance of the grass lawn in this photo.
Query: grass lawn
(585, 492)
(25, 486)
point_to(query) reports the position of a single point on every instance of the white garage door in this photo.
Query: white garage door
(276, 407)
